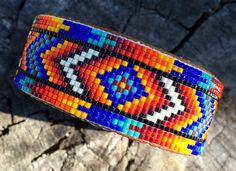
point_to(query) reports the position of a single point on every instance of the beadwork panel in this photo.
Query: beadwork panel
(119, 84)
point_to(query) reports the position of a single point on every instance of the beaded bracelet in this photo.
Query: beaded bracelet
(118, 83)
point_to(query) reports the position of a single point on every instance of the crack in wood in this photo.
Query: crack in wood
(15, 20)
(133, 13)
(51, 149)
(6, 130)
(129, 164)
(83, 136)
(224, 163)
(166, 17)
(122, 157)
(63, 165)
(199, 22)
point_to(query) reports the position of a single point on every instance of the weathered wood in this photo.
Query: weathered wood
(35, 137)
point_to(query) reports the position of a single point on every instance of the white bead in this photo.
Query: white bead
(80, 91)
(62, 62)
(75, 89)
(68, 75)
(90, 51)
(76, 57)
(73, 77)
(65, 69)
(89, 55)
(77, 84)
(81, 58)
(69, 60)
(95, 53)
(83, 54)
(70, 70)
(74, 61)
(72, 82)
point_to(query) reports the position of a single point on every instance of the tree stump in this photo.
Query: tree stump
(34, 136)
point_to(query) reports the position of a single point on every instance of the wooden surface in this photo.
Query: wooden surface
(35, 137)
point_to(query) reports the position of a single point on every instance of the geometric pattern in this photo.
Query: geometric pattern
(119, 84)
(68, 68)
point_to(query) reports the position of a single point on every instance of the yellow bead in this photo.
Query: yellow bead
(151, 96)
(199, 115)
(144, 82)
(66, 42)
(75, 105)
(178, 128)
(204, 135)
(53, 48)
(63, 26)
(127, 104)
(164, 139)
(47, 52)
(64, 101)
(120, 106)
(58, 20)
(72, 111)
(109, 68)
(78, 113)
(175, 68)
(59, 45)
(162, 68)
(105, 95)
(135, 101)
(185, 124)
(93, 74)
(142, 99)
(161, 56)
(84, 115)
(66, 28)
(82, 102)
(180, 70)
(122, 85)
(87, 105)
(116, 66)
(190, 121)
(171, 60)
(125, 63)
(195, 118)
(57, 30)
(76, 100)
(172, 146)
(97, 81)
(69, 103)
(139, 75)
(108, 102)
(147, 89)
(50, 79)
(101, 71)
(101, 88)
(136, 67)
(157, 65)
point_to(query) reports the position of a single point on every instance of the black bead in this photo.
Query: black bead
(172, 104)
(164, 107)
(167, 97)
(158, 110)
